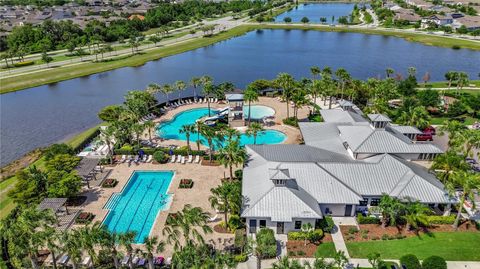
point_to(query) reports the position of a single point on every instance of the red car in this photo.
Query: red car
(425, 137)
(430, 130)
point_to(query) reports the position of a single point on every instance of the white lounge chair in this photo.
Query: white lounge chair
(183, 159)
(179, 158)
(190, 158)
(123, 159)
(216, 100)
(172, 159)
(137, 159)
(125, 260)
(135, 260)
(213, 219)
(200, 100)
(149, 159)
(144, 158)
(197, 159)
(64, 259)
(129, 158)
(87, 261)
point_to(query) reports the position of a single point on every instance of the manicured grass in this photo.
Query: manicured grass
(441, 120)
(325, 250)
(80, 138)
(444, 84)
(452, 246)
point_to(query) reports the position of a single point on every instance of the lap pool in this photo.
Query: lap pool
(171, 129)
(137, 206)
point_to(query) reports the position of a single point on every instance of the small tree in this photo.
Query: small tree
(305, 20)
(46, 58)
(375, 260)
(434, 262)
(410, 261)
(287, 20)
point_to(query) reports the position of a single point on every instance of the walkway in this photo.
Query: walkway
(337, 236)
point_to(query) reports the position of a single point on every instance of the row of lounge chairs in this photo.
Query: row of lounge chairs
(64, 260)
(183, 159)
(150, 116)
(138, 261)
(181, 102)
(136, 159)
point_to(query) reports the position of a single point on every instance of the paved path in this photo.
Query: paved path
(337, 236)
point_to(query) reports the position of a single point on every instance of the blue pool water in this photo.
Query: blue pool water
(258, 111)
(314, 11)
(137, 206)
(171, 130)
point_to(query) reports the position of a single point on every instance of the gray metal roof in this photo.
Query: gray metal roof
(86, 166)
(378, 117)
(364, 139)
(404, 129)
(338, 115)
(234, 97)
(293, 153)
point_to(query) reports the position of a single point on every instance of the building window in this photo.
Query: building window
(253, 226)
(374, 201)
(364, 202)
(280, 182)
(263, 223)
(345, 145)
(298, 225)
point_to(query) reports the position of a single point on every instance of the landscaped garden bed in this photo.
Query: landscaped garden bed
(186, 183)
(298, 248)
(110, 183)
(84, 218)
(76, 200)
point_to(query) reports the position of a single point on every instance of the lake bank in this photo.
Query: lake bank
(26, 81)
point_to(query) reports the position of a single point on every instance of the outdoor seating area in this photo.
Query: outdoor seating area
(91, 172)
(184, 159)
(64, 216)
(189, 101)
(136, 159)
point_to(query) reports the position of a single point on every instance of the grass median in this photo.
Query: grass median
(57, 74)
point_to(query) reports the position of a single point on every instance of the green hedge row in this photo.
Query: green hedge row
(441, 219)
(314, 236)
(24, 63)
(367, 220)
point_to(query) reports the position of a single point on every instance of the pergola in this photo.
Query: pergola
(64, 221)
(86, 169)
(53, 203)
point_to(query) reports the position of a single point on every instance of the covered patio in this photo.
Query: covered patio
(58, 206)
(90, 171)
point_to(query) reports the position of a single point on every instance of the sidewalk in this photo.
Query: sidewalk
(338, 237)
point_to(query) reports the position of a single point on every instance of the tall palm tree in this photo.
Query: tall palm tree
(208, 91)
(126, 240)
(137, 129)
(471, 141)
(187, 129)
(73, 248)
(254, 129)
(167, 89)
(390, 208)
(227, 198)
(153, 245)
(195, 82)
(107, 134)
(415, 116)
(232, 154)
(462, 80)
(286, 82)
(315, 71)
(451, 76)
(416, 214)
(210, 134)
(187, 226)
(468, 182)
(340, 259)
(389, 71)
(110, 240)
(88, 237)
(153, 88)
(454, 129)
(299, 99)
(51, 239)
(199, 129)
(250, 95)
(149, 125)
(180, 86)
(343, 76)
(445, 164)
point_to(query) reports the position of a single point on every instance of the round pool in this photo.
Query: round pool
(171, 130)
(258, 111)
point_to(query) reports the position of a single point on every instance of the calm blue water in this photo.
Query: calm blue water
(43, 115)
(258, 111)
(137, 206)
(171, 130)
(315, 11)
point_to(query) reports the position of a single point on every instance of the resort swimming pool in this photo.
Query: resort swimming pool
(259, 111)
(137, 206)
(171, 129)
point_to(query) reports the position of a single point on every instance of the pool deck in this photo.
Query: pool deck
(205, 177)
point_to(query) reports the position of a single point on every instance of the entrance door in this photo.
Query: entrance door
(280, 227)
(348, 210)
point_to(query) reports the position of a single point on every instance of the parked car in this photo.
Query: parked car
(430, 130)
(424, 137)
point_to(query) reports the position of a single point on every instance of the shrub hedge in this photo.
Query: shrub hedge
(410, 261)
(326, 224)
(434, 262)
(24, 63)
(160, 156)
(292, 121)
(441, 219)
(367, 220)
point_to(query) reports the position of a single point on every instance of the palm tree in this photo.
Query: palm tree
(415, 116)
(453, 128)
(250, 95)
(180, 86)
(149, 125)
(375, 260)
(126, 240)
(137, 129)
(340, 259)
(343, 76)
(231, 134)
(389, 71)
(71, 245)
(208, 91)
(286, 82)
(209, 134)
(187, 129)
(232, 154)
(110, 240)
(187, 224)
(462, 80)
(445, 164)
(167, 89)
(471, 141)
(51, 239)
(153, 245)
(390, 208)
(286, 263)
(107, 134)
(299, 99)
(153, 88)
(88, 237)
(315, 71)
(199, 129)
(416, 214)
(253, 130)
(451, 76)
(468, 182)
(227, 198)
(195, 82)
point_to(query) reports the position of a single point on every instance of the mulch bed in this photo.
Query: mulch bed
(295, 246)
(220, 229)
(76, 201)
(208, 163)
(375, 231)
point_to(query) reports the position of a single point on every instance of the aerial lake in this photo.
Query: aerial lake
(43, 115)
(314, 12)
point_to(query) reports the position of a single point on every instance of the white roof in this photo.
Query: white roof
(339, 115)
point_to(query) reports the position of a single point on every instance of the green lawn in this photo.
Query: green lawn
(444, 84)
(441, 120)
(452, 246)
(325, 250)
